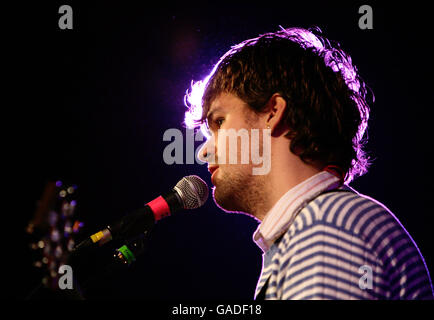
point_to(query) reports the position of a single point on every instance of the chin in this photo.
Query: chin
(222, 201)
(226, 202)
(232, 188)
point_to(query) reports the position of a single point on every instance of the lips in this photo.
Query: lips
(212, 170)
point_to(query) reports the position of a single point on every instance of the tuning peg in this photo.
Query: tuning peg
(67, 229)
(39, 245)
(30, 228)
(58, 251)
(71, 189)
(53, 274)
(55, 235)
(68, 208)
(71, 244)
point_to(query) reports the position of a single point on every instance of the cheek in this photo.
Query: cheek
(229, 154)
(233, 172)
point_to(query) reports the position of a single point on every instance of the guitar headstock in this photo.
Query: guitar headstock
(53, 230)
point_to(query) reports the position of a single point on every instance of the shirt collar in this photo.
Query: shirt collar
(283, 213)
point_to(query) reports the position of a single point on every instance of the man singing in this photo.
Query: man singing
(321, 238)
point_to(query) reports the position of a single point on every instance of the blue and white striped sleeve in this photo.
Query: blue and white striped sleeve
(347, 246)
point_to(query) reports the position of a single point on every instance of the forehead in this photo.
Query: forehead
(226, 102)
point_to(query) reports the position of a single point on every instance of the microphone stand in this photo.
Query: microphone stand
(120, 260)
(105, 265)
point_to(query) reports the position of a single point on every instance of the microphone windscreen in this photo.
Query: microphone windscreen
(193, 191)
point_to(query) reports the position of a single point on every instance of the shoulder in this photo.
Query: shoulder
(346, 230)
(353, 216)
(340, 218)
(349, 211)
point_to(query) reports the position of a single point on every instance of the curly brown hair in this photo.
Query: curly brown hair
(327, 110)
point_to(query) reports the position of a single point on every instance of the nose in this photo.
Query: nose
(207, 152)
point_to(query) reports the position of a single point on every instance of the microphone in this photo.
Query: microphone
(190, 192)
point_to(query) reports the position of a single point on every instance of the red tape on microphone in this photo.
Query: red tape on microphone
(159, 207)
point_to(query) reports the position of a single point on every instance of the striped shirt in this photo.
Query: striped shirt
(322, 241)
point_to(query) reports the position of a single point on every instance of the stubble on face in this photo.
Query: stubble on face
(237, 189)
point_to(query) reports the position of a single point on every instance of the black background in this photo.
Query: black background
(90, 106)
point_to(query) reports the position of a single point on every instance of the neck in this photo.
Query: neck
(287, 171)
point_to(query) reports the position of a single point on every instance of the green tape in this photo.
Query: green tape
(126, 252)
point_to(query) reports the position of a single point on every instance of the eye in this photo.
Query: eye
(219, 122)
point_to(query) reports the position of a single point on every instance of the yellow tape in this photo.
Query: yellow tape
(97, 236)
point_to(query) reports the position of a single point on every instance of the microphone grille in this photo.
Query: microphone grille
(193, 191)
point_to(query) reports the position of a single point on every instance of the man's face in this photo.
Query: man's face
(236, 188)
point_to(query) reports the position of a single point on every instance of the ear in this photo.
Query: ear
(276, 107)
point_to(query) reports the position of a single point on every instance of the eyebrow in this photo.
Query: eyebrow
(212, 111)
